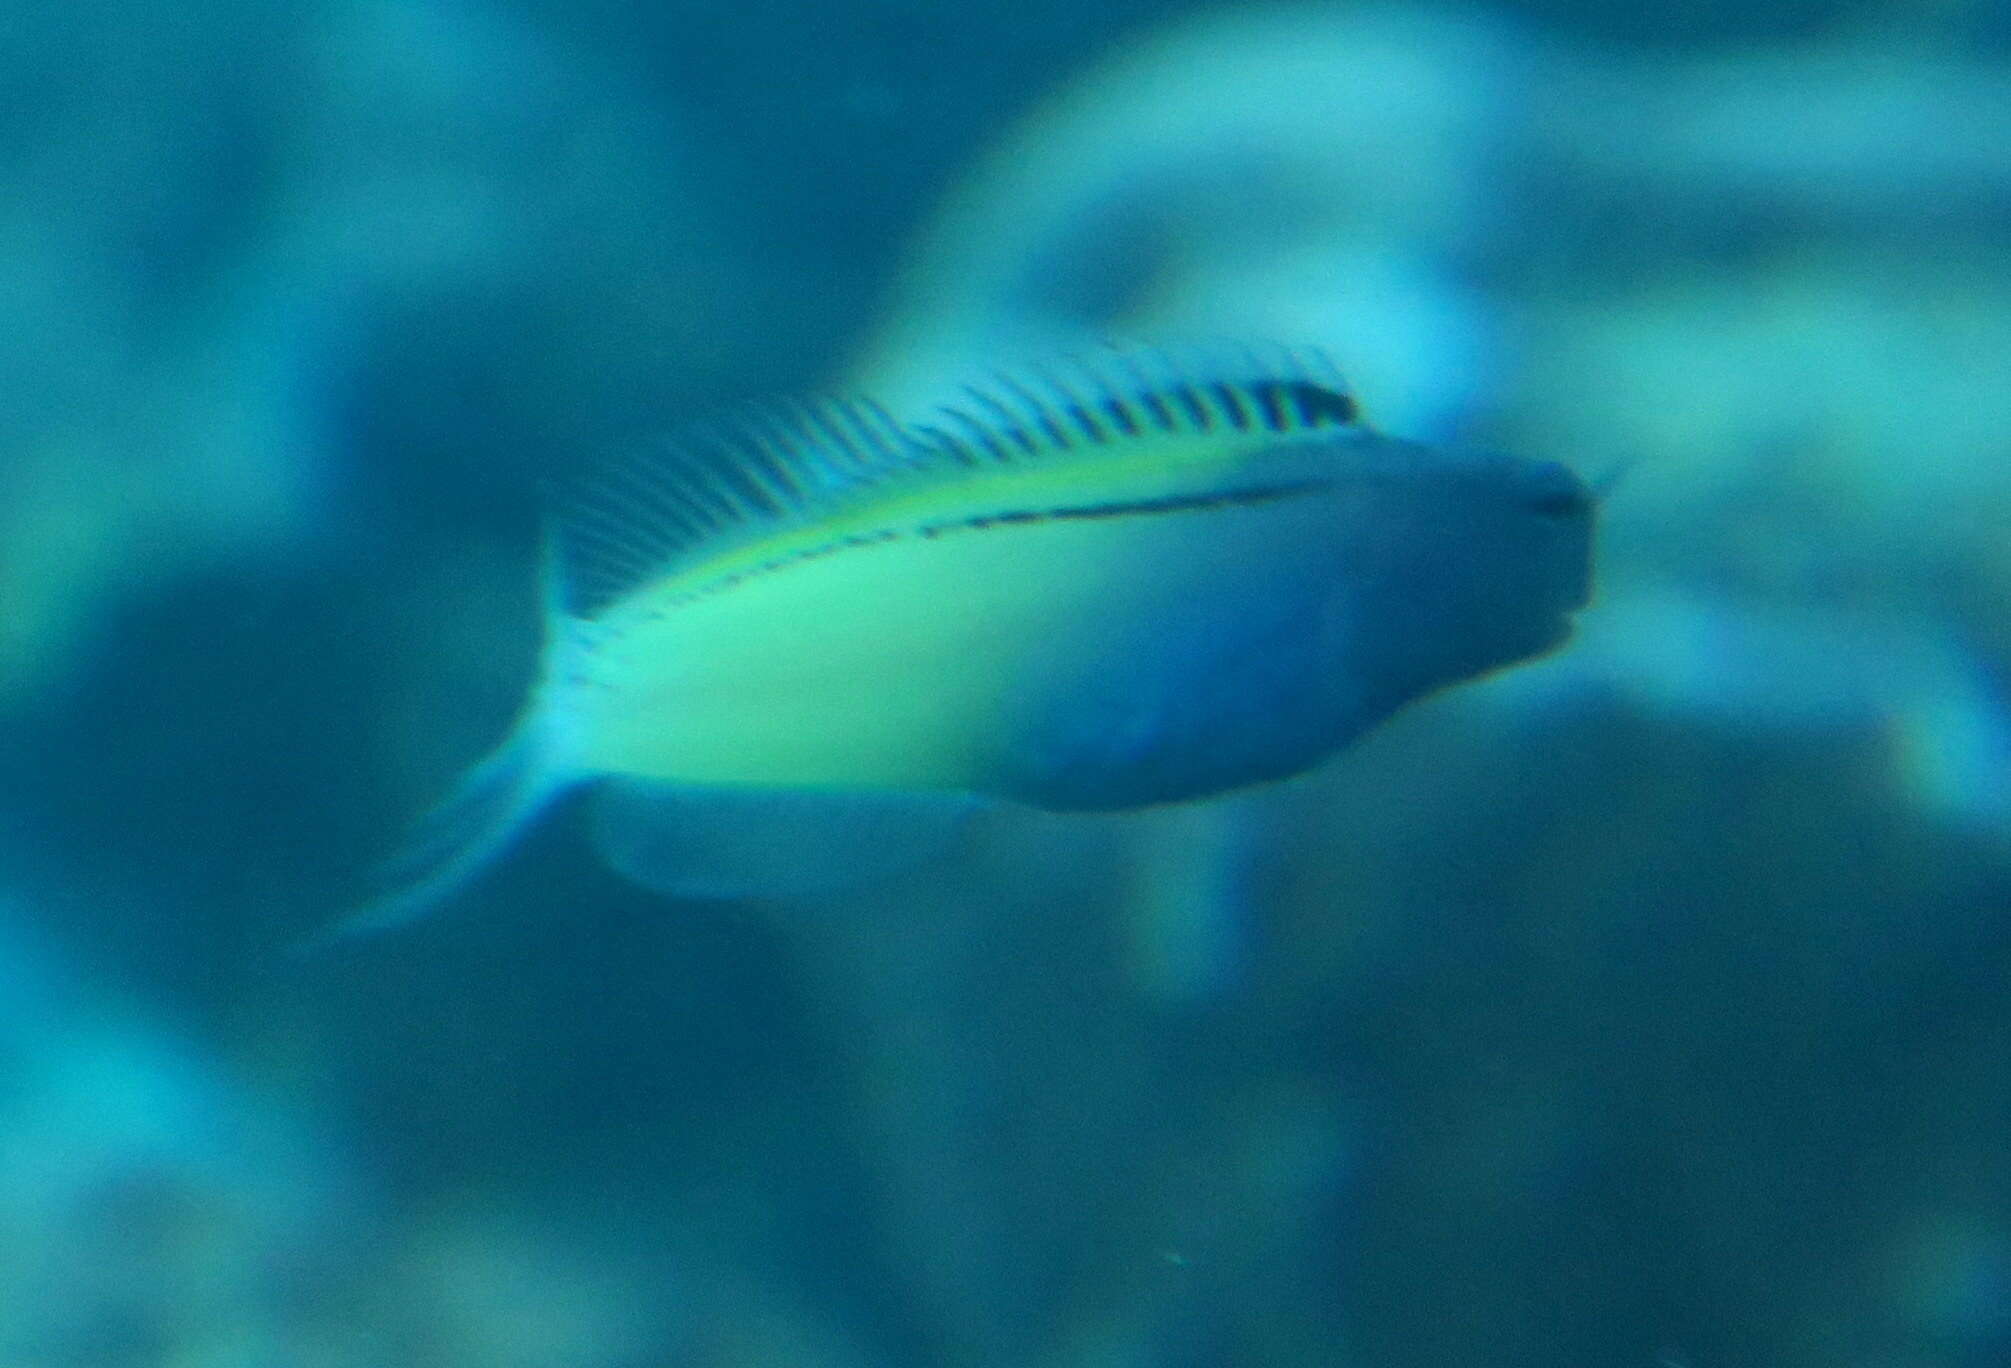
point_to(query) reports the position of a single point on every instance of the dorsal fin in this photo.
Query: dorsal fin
(786, 465)
(767, 466)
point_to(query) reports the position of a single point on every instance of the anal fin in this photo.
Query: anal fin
(731, 843)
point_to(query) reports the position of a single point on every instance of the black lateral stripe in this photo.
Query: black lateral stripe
(1011, 517)
(1186, 503)
(623, 559)
(1172, 503)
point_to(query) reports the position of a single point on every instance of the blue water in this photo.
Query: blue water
(1642, 1006)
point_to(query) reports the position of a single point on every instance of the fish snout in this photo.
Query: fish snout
(1556, 510)
(1555, 492)
(1567, 506)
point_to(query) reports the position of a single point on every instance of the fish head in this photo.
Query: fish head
(1469, 562)
(1537, 517)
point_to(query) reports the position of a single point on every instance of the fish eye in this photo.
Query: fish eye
(1551, 491)
(1562, 503)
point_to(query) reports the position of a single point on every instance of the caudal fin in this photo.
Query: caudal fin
(452, 843)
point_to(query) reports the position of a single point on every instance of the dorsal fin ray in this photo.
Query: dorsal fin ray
(775, 467)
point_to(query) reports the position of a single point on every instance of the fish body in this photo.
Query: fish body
(912, 660)
(1116, 583)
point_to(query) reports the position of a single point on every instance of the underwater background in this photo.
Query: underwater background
(1648, 1005)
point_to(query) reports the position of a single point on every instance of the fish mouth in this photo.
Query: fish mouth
(1580, 596)
(1557, 633)
(1565, 624)
(1577, 578)
(1557, 493)
(1566, 509)
(1575, 595)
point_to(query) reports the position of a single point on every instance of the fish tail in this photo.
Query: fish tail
(493, 802)
(459, 837)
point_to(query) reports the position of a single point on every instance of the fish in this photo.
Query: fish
(800, 648)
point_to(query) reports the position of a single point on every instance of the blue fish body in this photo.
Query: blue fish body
(1107, 585)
